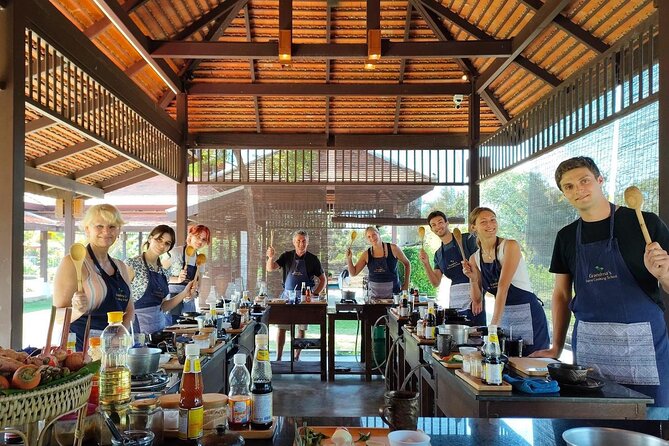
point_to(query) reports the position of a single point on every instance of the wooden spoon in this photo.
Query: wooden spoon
(421, 235)
(457, 235)
(190, 251)
(354, 235)
(634, 200)
(78, 254)
(52, 319)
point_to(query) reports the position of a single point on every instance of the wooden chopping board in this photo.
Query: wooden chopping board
(480, 386)
(445, 361)
(172, 365)
(379, 435)
(215, 348)
(423, 341)
(248, 434)
(531, 366)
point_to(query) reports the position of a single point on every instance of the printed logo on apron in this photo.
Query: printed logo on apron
(600, 275)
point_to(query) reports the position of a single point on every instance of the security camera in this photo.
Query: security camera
(457, 101)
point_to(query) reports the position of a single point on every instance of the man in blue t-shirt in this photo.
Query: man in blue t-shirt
(448, 262)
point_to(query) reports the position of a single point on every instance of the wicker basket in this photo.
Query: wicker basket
(42, 404)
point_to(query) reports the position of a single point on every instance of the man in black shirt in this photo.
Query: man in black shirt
(620, 329)
(298, 266)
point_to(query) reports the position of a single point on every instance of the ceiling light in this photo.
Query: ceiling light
(465, 77)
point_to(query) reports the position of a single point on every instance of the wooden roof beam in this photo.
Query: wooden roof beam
(403, 64)
(321, 141)
(126, 179)
(98, 168)
(573, 29)
(348, 89)
(63, 153)
(139, 41)
(472, 29)
(46, 179)
(391, 50)
(222, 9)
(38, 124)
(99, 26)
(216, 30)
(543, 17)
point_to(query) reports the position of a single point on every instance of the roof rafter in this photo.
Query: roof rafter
(126, 179)
(530, 31)
(572, 28)
(38, 124)
(462, 23)
(64, 153)
(99, 167)
(348, 89)
(99, 26)
(403, 64)
(215, 13)
(391, 50)
(442, 33)
(139, 41)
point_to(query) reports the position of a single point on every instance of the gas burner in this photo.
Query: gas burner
(149, 383)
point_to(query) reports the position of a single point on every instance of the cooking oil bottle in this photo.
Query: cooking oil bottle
(114, 372)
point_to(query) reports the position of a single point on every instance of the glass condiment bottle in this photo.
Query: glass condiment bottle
(191, 410)
(239, 395)
(261, 385)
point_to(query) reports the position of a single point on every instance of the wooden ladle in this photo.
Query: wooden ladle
(457, 235)
(354, 235)
(421, 235)
(78, 254)
(634, 199)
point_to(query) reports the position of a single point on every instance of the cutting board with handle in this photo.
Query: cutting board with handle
(531, 366)
(480, 385)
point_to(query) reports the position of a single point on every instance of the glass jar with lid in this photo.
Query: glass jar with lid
(147, 414)
(215, 410)
(170, 405)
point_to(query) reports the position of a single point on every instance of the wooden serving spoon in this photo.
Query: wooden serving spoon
(78, 254)
(634, 200)
(52, 319)
(457, 235)
(421, 236)
(354, 235)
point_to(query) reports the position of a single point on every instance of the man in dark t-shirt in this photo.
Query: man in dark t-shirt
(298, 266)
(616, 276)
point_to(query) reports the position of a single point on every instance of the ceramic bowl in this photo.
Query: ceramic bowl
(567, 373)
(408, 438)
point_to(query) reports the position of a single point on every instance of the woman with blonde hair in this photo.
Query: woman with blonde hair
(105, 279)
(498, 267)
(381, 260)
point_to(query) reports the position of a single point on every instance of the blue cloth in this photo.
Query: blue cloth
(532, 385)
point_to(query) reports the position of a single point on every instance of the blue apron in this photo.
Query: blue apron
(519, 305)
(383, 278)
(297, 273)
(449, 261)
(116, 299)
(149, 317)
(176, 288)
(619, 330)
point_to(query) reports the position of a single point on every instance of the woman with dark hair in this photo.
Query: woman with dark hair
(149, 288)
(183, 267)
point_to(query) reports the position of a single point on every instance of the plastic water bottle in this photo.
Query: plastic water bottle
(261, 387)
(239, 396)
(114, 372)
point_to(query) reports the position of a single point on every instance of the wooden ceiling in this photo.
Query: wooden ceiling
(224, 55)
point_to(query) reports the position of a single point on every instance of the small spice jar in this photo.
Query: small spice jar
(170, 405)
(147, 414)
(215, 410)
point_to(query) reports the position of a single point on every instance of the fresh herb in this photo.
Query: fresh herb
(309, 437)
(363, 436)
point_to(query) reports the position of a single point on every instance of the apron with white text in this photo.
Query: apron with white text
(619, 331)
(297, 273)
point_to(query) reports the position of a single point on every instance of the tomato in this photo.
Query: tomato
(26, 377)
(4, 382)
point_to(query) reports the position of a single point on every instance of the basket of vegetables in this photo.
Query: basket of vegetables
(40, 388)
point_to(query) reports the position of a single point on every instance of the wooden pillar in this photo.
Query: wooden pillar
(182, 185)
(474, 140)
(124, 244)
(69, 226)
(12, 151)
